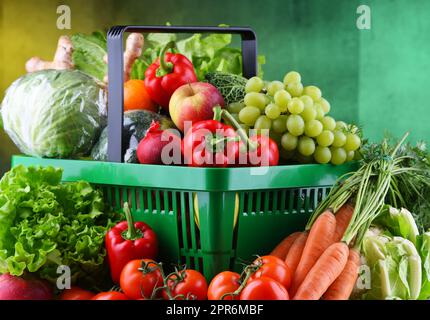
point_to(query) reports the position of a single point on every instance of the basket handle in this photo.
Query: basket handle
(116, 73)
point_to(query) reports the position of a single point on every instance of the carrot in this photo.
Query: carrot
(319, 239)
(342, 287)
(284, 246)
(295, 253)
(343, 217)
(325, 271)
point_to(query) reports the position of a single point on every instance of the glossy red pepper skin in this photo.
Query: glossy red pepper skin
(266, 153)
(120, 250)
(195, 147)
(160, 89)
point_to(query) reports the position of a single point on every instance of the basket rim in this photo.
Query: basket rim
(191, 178)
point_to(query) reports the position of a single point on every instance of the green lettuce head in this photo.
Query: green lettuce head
(398, 222)
(395, 267)
(423, 245)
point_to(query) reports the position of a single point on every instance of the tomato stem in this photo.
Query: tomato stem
(240, 131)
(217, 113)
(246, 274)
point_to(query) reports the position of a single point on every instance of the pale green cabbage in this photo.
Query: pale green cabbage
(54, 113)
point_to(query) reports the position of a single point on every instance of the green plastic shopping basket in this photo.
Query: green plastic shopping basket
(207, 218)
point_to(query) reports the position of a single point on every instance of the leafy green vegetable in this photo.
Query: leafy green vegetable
(423, 245)
(412, 189)
(231, 87)
(45, 223)
(88, 53)
(54, 113)
(395, 267)
(210, 53)
(398, 222)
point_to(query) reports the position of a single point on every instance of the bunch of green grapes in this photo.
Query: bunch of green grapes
(297, 119)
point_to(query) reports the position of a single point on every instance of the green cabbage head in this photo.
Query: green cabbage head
(54, 113)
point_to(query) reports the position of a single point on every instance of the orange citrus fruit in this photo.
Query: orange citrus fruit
(136, 97)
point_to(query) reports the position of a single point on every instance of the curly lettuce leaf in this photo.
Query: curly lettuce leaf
(45, 223)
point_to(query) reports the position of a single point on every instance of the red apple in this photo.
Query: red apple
(194, 102)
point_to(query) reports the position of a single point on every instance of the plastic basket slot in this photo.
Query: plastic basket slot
(192, 262)
(149, 202)
(167, 203)
(299, 200)
(292, 200)
(194, 230)
(313, 197)
(305, 195)
(156, 196)
(249, 203)
(125, 196)
(282, 200)
(257, 201)
(182, 226)
(274, 201)
(138, 198)
(117, 198)
(132, 199)
(265, 200)
(189, 233)
(200, 263)
(186, 221)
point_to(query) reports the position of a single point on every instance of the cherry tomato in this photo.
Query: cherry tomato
(76, 293)
(193, 286)
(110, 295)
(224, 282)
(269, 259)
(264, 288)
(274, 268)
(136, 283)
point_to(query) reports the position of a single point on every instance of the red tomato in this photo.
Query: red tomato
(136, 283)
(224, 282)
(193, 286)
(264, 288)
(76, 293)
(110, 295)
(269, 259)
(274, 268)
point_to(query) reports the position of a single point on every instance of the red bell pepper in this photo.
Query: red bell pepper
(166, 74)
(210, 143)
(128, 241)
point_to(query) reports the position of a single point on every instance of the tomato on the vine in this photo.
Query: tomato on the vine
(224, 283)
(139, 278)
(264, 288)
(269, 259)
(274, 268)
(110, 295)
(76, 293)
(187, 284)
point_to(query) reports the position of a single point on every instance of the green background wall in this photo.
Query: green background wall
(377, 78)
